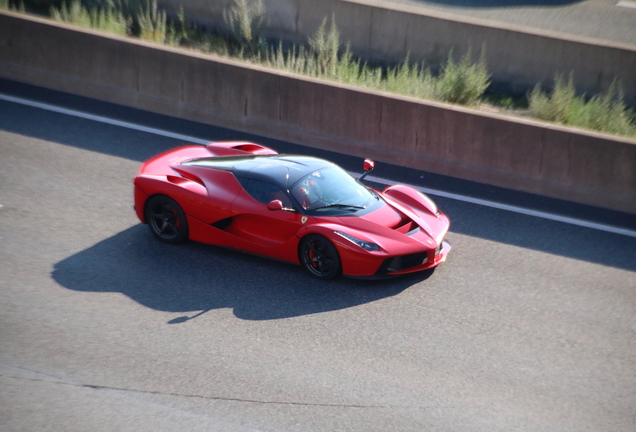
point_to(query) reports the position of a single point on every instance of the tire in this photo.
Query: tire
(319, 257)
(166, 219)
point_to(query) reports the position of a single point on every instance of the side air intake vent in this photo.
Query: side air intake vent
(406, 228)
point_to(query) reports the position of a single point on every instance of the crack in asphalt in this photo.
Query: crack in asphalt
(217, 398)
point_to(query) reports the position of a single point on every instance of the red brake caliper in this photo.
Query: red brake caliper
(312, 255)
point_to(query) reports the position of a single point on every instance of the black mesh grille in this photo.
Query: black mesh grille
(403, 262)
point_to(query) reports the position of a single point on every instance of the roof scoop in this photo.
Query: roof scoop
(224, 148)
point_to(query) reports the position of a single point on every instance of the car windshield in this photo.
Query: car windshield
(331, 188)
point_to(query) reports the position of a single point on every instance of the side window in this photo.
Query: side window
(265, 192)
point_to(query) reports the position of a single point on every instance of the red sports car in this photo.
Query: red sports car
(299, 209)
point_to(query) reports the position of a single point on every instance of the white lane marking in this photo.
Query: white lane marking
(510, 208)
(102, 119)
(627, 4)
(463, 198)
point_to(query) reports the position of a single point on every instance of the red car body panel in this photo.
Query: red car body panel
(219, 211)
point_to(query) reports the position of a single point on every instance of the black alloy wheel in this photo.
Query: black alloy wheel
(320, 257)
(166, 219)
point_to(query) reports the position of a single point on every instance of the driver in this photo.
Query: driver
(308, 193)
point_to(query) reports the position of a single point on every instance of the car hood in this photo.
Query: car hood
(396, 222)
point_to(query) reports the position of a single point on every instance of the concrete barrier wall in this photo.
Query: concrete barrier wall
(518, 57)
(520, 154)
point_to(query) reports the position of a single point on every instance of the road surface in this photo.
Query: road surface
(607, 20)
(529, 326)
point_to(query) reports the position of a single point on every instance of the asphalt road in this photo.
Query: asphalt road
(529, 326)
(599, 19)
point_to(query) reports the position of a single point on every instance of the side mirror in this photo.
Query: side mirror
(368, 167)
(275, 205)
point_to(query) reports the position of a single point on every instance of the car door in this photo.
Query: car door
(264, 231)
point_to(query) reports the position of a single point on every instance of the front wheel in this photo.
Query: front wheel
(319, 256)
(166, 219)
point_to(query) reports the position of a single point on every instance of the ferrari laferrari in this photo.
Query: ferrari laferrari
(299, 209)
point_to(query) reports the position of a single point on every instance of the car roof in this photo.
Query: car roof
(280, 169)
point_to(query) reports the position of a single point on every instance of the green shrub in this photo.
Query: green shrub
(153, 23)
(553, 107)
(244, 19)
(321, 59)
(464, 82)
(106, 19)
(411, 80)
(297, 60)
(348, 70)
(605, 112)
(324, 45)
(73, 13)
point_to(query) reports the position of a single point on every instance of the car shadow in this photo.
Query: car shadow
(193, 278)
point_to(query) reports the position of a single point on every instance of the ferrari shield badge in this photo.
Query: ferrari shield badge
(303, 219)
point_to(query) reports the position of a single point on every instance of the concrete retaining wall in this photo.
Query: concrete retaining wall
(520, 58)
(519, 154)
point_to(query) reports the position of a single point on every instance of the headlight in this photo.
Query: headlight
(360, 243)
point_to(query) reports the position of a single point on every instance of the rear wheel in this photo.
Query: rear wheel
(320, 257)
(166, 219)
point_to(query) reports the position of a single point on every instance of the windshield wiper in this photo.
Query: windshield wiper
(347, 206)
